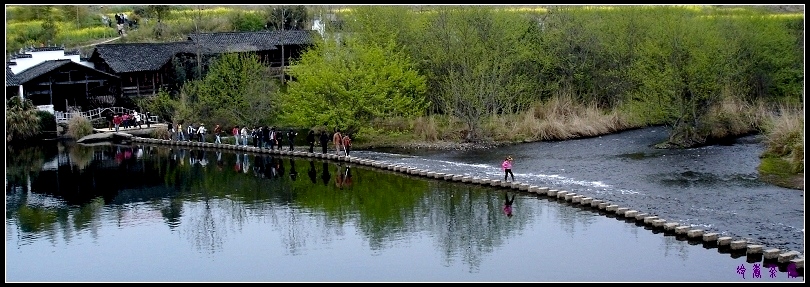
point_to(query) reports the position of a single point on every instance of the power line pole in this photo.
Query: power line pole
(197, 44)
(283, 20)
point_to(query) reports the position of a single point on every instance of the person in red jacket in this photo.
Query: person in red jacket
(235, 133)
(117, 121)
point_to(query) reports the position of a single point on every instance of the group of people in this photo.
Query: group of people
(270, 137)
(263, 137)
(179, 132)
(127, 120)
(120, 20)
(343, 143)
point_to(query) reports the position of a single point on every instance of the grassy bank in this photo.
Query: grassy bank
(783, 160)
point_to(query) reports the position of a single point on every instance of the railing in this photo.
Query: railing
(142, 90)
(95, 114)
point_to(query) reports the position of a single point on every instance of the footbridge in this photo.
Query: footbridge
(95, 114)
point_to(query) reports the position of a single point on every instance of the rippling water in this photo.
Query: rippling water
(153, 214)
(715, 187)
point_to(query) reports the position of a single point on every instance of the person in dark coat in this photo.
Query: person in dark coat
(109, 115)
(311, 141)
(266, 137)
(291, 138)
(324, 140)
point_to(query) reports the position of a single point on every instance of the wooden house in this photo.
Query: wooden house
(64, 83)
(144, 68)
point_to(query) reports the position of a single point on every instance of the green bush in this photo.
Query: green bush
(160, 134)
(21, 120)
(47, 121)
(79, 126)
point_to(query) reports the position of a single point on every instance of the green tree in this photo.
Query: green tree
(77, 14)
(348, 86)
(480, 63)
(159, 12)
(286, 17)
(161, 105)
(235, 90)
(687, 55)
(247, 21)
(49, 28)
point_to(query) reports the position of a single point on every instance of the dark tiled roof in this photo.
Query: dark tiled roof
(296, 37)
(211, 48)
(135, 57)
(19, 56)
(74, 52)
(234, 42)
(47, 66)
(11, 79)
(11, 63)
(266, 40)
(40, 69)
(41, 49)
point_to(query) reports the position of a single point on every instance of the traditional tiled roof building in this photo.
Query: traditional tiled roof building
(146, 67)
(57, 78)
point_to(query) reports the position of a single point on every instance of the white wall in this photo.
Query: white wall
(318, 26)
(42, 56)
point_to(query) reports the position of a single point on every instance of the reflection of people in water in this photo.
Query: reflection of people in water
(339, 177)
(119, 155)
(280, 167)
(270, 167)
(220, 163)
(258, 167)
(347, 177)
(182, 156)
(507, 204)
(293, 172)
(325, 176)
(203, 159)
(237, 167)
(245, 163)
(312, 173)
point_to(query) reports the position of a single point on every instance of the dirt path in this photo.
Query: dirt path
(98, 43)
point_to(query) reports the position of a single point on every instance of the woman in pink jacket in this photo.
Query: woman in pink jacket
(507, 168)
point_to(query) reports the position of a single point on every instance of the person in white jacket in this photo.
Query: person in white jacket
(201, 133)
(137, 119)
(244, 134)
(191, 132)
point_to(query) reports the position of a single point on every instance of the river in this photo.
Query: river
(151, 213)
(716, 188)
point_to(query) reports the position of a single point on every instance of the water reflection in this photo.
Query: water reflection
(144, 193)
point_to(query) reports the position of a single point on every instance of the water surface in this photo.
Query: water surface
(154, 214)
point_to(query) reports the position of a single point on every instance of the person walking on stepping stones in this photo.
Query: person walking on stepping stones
(507, 168)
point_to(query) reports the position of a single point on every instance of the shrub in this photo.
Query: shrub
(79, 126)
(21, 120)
(47, 121)
(160, 134)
